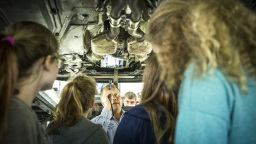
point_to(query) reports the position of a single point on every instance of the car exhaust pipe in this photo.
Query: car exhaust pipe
(115, 18)
(133, 29)
(133, 26)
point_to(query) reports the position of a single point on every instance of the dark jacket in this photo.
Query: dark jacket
(135, 127)
(84, 132)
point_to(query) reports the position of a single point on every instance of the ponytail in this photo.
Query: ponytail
(76, 92)
(9, 73)
(72, 110)
(76, 99)
(32, 42)
(69, 110)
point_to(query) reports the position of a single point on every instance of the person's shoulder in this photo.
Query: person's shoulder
(140, 107)
(89, 124)
(210, 74)
(16, 103)
(19, 110)
(21, 119)
(138, 111)
(94, 129)
(94, 133)
(214, 78)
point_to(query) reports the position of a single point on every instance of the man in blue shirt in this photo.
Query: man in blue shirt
(110, 119)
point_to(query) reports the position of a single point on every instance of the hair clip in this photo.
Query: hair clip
(10, 39)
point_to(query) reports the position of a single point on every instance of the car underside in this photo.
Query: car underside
(97, 37)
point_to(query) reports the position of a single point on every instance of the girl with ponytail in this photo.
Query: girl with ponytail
(28, 64)
(70, 124)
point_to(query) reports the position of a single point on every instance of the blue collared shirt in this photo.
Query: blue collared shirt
(108, 122)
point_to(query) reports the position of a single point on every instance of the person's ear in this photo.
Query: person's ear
(102, 103)
(47, 62)
(92, 104)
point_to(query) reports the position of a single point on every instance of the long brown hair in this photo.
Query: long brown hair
(32, 41)
(159, 99)
(211, 33)
(76, 99)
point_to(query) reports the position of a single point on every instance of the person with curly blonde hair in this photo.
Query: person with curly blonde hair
(209, 46)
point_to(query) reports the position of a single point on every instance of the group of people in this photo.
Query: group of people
(114, 125)
(199, 87)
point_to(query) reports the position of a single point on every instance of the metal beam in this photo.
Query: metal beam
(115, 81)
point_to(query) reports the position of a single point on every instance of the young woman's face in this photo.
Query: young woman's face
(55, 69)
(51, 74)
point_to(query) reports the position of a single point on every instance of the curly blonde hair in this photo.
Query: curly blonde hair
(211, 33)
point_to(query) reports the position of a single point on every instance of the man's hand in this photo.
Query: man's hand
(106, 100)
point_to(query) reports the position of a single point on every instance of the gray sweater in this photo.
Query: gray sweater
(84, 132)
(23, 126)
